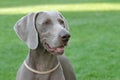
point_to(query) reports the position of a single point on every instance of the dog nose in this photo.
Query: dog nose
(64, 35)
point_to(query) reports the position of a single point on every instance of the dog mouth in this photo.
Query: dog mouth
(55, 50)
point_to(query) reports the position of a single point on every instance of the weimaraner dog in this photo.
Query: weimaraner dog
(46, 34)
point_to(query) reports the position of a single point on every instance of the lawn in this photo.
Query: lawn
(94, 48)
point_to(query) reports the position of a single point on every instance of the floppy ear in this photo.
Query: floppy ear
(25, 29)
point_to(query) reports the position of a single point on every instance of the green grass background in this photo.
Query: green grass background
(94, 49)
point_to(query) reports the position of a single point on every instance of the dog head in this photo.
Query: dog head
(50, 26)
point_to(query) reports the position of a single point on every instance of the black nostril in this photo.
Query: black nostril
(65, 37)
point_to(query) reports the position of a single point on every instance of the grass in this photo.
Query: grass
(62, 7)
(94, 48)
(95, 45)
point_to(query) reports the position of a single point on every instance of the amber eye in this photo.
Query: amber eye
(61, 21)
(46, 22)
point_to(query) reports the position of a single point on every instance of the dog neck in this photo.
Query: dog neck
(41, 60)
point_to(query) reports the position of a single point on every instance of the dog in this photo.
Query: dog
(46, 35)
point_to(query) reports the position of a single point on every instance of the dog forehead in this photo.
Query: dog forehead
(47, 15)
(52, 14)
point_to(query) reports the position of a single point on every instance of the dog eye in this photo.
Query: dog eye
(61, 21)
(46, 22)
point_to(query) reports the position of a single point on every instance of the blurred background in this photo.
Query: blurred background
(94, 48)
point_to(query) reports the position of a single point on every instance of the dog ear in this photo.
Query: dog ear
(25, 29)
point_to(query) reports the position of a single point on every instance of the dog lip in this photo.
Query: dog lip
(55, 50)
(61, 46)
